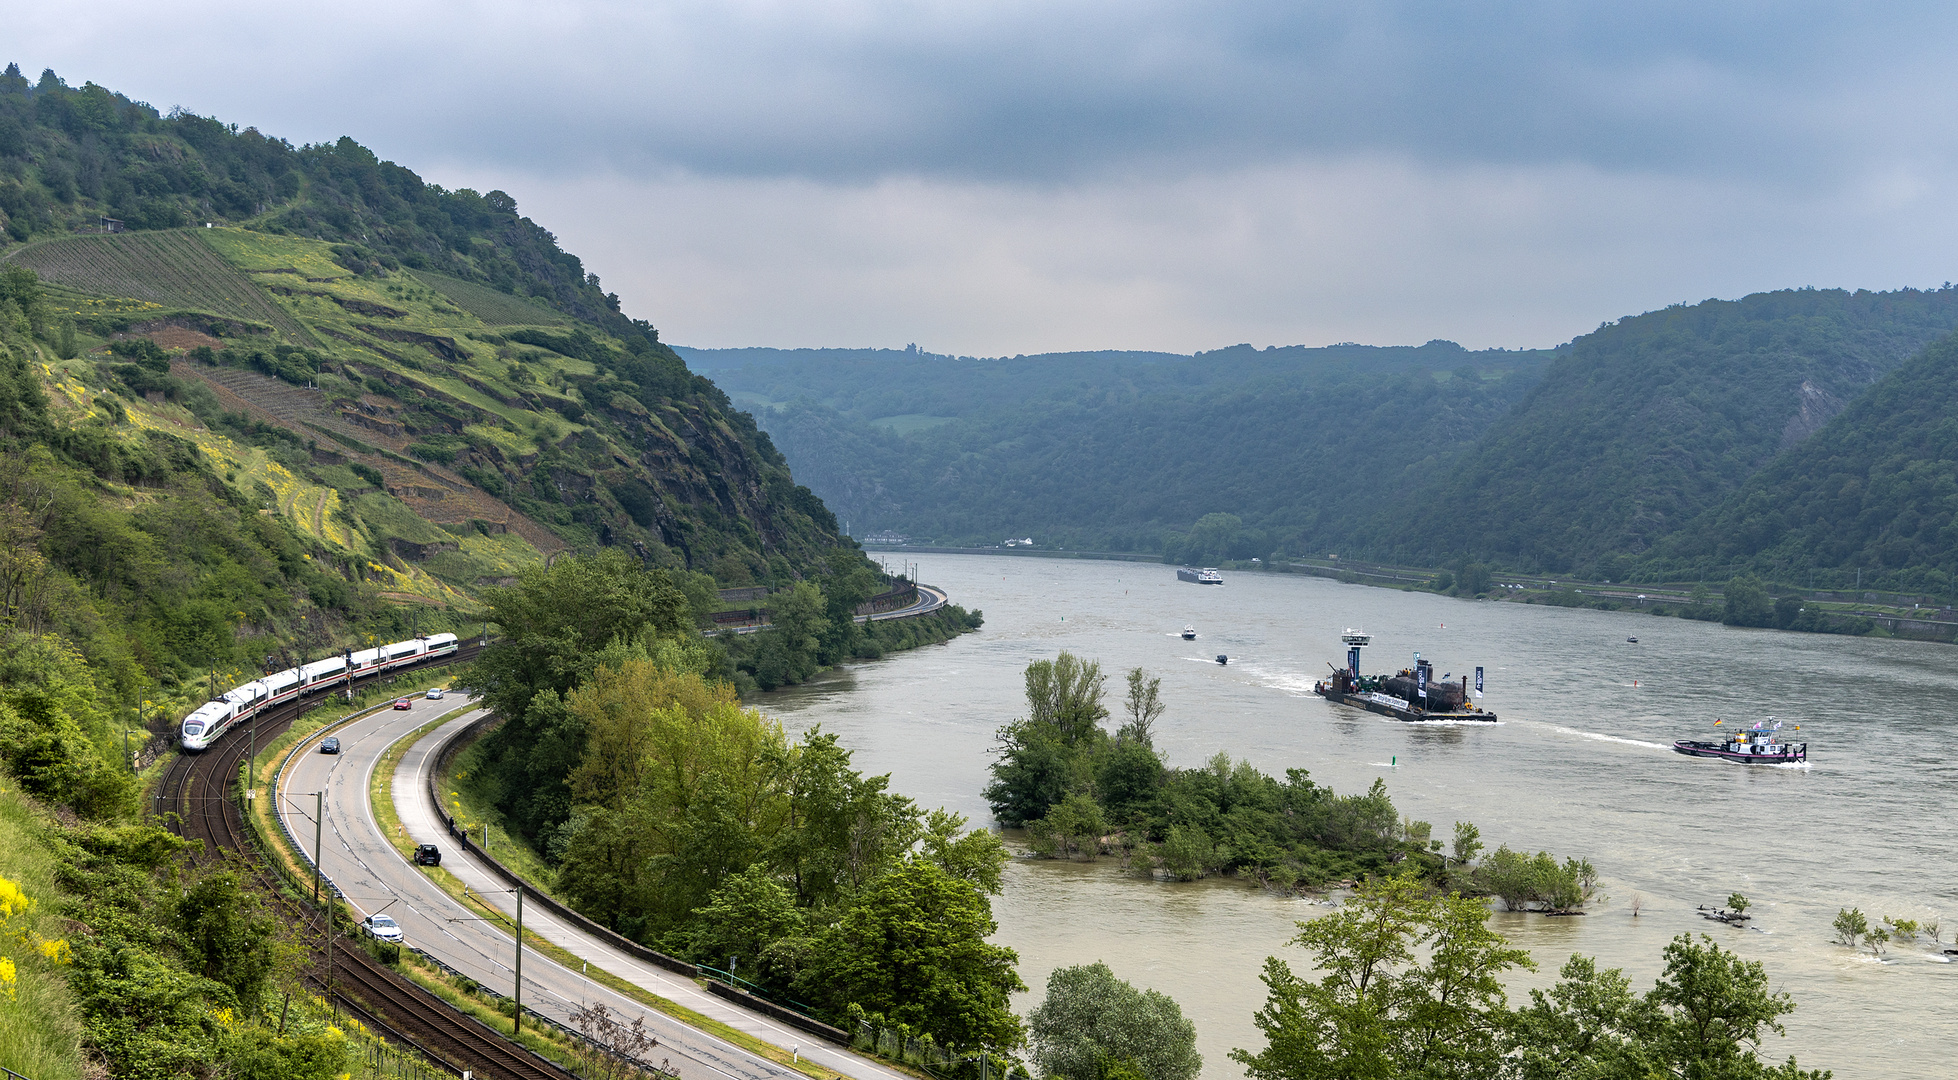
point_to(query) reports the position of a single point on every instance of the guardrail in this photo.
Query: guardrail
(446, 754)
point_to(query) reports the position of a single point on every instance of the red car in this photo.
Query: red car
(404, 703)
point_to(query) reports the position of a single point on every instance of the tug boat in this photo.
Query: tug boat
(1757, 745)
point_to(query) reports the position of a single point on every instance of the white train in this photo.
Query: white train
(206, 724)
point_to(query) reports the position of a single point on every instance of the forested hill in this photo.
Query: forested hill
(1651, 421)
(1121, 450)
(451, 329)
(69, 157)
(258, 402)
(1875, 491)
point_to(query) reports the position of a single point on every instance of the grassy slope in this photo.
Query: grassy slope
(463, 403)
(40, 1034)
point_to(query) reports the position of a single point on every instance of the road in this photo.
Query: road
(374, 877)
(929, 599)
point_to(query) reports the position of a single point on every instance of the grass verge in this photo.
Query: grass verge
(384, 810)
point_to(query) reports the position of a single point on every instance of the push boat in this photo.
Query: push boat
(1758, 745)
(1206, 576)
(1412, 695)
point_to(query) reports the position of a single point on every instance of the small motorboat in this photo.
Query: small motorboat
(1222, 659)
(1758, 745)
(1632, 640)
(1189, 633)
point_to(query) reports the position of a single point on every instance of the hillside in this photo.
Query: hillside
(1123, 451)
(1653, 420)
(1870, 498)
(228, 435)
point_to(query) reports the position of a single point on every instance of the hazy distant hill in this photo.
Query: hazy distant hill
(1582, 461)
(1648, 422)
(1876, 491)
(1122, 450)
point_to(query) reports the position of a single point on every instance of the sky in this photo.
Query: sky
(1021, 177)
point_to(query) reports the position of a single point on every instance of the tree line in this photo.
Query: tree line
(675, 816)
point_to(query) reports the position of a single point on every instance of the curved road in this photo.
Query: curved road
(930, 599)
(374, 877)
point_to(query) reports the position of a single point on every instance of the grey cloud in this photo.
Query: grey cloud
(1060, 92)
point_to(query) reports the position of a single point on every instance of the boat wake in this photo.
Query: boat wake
(1295, 683)
(1601, 737)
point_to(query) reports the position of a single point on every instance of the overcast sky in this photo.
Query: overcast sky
(1014, 176)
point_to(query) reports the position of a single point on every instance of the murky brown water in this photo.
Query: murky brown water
(1579, 766)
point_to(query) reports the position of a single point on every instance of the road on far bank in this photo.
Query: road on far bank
(374, 877)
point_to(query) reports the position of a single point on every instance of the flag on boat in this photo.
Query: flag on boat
(1716, 723)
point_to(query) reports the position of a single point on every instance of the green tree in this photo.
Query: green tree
(1049, 752)
(555, 623)
(1411, 987)
(748, 914)
(1703, 1020)
(558, 625)
(1850, 926)
(977, 856)
(1090, 1018)
(1187, 852)
(1074, 824)
(1747, 603)
(1141, 707)
(1065, 693)
(228, 936)
(1468, 842)
(912, 949)
(791, 649)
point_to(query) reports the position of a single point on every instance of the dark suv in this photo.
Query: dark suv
(427, 855)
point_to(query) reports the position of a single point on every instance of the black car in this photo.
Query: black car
(427, 855)
(329, 745)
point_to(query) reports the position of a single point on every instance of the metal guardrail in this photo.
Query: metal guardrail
(556, 1025)
(619, 942)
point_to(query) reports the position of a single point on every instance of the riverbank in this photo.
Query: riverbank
(1916, 616)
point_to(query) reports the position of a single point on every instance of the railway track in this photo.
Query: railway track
(197, 789)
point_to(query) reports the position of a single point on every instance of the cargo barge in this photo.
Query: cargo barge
(1412, 695)
(1206, 576)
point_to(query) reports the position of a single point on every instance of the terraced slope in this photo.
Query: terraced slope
(492, 307)
(174, 269)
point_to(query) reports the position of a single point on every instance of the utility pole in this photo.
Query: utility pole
(319, 834)
(516, 1015)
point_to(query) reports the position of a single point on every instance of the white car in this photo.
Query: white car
(382, 928)
(435, 693)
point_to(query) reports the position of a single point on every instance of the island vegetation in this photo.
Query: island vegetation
(1081, 791)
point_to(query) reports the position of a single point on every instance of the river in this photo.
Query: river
(1580, 765)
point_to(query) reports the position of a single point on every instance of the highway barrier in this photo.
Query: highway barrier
(445, 754)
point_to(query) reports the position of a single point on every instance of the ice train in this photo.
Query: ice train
(208, 722)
